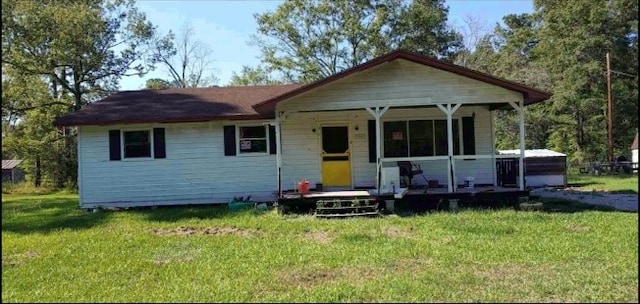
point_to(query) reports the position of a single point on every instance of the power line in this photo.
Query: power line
(621, 73)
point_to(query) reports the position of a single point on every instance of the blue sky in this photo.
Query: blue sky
(227, 25)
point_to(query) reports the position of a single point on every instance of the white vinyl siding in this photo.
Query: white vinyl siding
(399, 83)
(195, 170)
(301, 154)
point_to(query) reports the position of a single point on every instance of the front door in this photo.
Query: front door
(336, 157)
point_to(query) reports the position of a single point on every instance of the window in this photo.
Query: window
(136, 143)
(419, 138)
(395, 139)
(252, 139)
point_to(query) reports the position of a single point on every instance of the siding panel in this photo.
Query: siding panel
(195, 169)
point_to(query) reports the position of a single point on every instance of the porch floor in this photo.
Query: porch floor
(416, 199)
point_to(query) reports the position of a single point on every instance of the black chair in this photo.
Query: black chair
(408, 169)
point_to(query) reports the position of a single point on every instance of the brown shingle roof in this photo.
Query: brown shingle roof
(634, 145)
(243, 102)
(175, 105)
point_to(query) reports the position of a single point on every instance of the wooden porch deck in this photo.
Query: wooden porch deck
(414, 199)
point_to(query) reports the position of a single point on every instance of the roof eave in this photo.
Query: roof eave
(63, 123)
(532, 95)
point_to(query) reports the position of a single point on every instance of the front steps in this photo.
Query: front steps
(346, 207)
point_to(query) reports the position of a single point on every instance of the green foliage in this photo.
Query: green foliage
(573, 40)
(561, 48)
(623, 183)
(54, 252)
(58, 56)
(305, 40)
(158, 84)
(253, 76)
(24, 188)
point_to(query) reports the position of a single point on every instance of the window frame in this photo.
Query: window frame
(456, 121)
(123, 144)
(266, 139)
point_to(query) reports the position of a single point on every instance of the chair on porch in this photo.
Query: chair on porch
(408, 170)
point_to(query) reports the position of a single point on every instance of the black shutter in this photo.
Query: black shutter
(468, 136)
(372, 141)
(272, 140)
(114, 145)
(229, 140)
(159, 150)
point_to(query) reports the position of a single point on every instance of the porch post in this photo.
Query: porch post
(521, 114)
(493, 150)
(278, 153)
(451, 174)
(377, 114)
(520, 108)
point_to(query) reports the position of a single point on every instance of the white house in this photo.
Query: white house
(207, 145)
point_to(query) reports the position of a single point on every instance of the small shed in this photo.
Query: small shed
(543, 167)
(11, 171)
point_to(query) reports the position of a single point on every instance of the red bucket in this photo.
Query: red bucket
(303, 187)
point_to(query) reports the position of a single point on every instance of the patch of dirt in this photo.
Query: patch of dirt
(18, 258)
(409, 264)
(353, 275)
(514, 276)
(445, 240)
(307, 278)
(206, 231)
(398, 232)
(578, 228)
(321, 237)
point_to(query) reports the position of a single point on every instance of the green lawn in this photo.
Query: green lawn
(624, 183)
(54, 252)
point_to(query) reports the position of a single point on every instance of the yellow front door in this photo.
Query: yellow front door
(336, 158)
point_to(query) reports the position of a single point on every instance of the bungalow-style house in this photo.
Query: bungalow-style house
(207, 145)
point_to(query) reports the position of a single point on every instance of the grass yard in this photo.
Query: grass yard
(624, 183)
(54, 252)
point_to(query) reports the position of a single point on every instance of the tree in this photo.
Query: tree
(507, 53)
(73, 52)
(422, 27)
(253, 76)
(79, 57)
(306, 40)
(188, 62)
(574, 37)
(158, 84)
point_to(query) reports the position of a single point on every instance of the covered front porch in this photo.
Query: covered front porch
(450, 142)
(350, 130)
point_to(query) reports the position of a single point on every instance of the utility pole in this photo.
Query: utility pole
(609, 110)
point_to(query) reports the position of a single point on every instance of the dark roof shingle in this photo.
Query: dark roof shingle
(175, 105)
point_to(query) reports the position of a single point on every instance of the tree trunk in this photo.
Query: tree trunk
(37, 181)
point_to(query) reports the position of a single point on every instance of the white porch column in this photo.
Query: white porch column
(377, 114)
(520, 109)
(493, 150)
(451, 165)
(278, 127)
